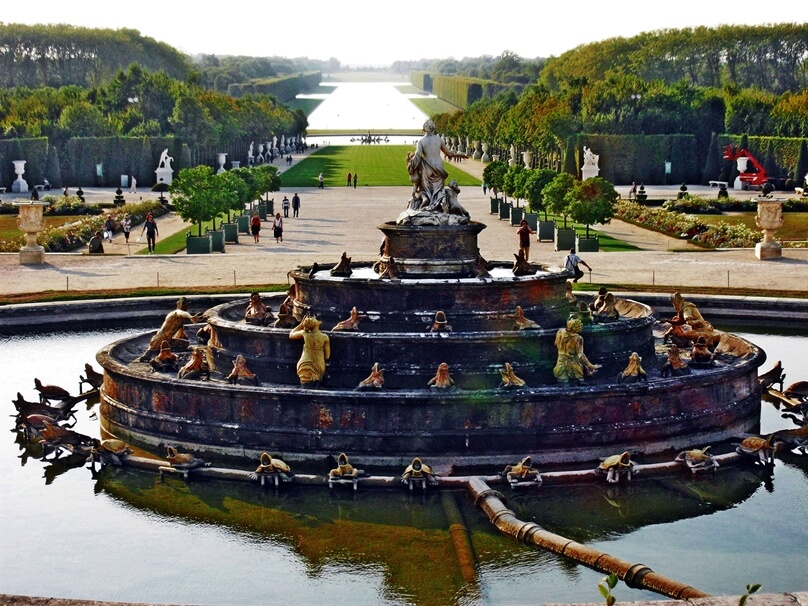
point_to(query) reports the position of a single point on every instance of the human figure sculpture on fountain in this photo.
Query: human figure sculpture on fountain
(172, 330)
(166, 360)
(311, 366)
(572, 364)
(257, 312)
(687, 325)
(428, 176)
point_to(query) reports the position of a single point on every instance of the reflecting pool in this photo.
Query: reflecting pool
(125, 535)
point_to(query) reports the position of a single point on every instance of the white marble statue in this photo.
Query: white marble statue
(165, 160)
(590, 168)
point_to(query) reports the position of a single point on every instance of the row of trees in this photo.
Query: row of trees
(199, 195)
(586, 202)
(64, 55)
(137, 103)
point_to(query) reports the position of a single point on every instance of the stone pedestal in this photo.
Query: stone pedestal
(769, 219)
(164, 175)
(31, 220)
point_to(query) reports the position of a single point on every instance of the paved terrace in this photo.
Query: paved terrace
(341, 219)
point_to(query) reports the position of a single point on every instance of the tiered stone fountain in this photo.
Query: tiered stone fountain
(424, 269)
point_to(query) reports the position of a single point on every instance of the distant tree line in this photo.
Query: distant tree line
(693, 82)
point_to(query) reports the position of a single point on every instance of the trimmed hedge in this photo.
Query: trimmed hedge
(283, 88)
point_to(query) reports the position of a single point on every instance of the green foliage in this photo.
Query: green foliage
(197, 195)
(605, 588)
(535, 183)
(555, 195)
(284, 88)
(750, 589)
(494, 175)
(514, 181)
(591, 201)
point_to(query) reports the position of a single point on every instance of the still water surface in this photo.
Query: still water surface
(125, 535)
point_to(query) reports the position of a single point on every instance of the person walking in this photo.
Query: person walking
(320, 179)
(133, 185)
(524, 232)
(295, 205)
(571, 262)
(150, 227)
(109, 227)
(277, 228)
(285, 207)
(255, 225)
(96, 244)
(349, 179)
(485, 186)
(126, 226)
(355, 179)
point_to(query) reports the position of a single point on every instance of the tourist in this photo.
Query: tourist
(150, 227)
(126, 226)
(133, 185)
(255, 226)
(349, 179)
(571, 262)
(109, 227)
(320, 179)
(485, 187)
(355, 179)
(277, 228)
(524, 233)
(96, 244)
(285, 207)
(632, 193)
(295, 205)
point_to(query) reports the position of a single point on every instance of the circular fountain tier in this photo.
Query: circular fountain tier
(430, 251)
(474, 422)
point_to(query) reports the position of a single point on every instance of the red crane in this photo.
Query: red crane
(751, 172)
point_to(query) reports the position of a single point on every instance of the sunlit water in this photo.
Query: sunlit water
(125, 535)
(366, 106)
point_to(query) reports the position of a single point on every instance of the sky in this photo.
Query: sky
(379, 32)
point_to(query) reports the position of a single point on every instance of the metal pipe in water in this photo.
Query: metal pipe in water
(634, 575)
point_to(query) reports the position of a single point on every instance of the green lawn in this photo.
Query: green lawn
(377, 165)
(795, 225)
(9, 229)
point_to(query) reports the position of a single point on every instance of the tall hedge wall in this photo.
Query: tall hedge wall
(422, 80)
(284, 88)
(640, 158)
(33, 151)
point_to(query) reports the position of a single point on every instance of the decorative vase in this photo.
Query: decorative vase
(31, 220)
(20, 185)
(769, 218)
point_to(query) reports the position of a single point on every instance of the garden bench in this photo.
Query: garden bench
(718, 183)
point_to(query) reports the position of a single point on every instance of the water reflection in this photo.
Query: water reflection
(210, 542)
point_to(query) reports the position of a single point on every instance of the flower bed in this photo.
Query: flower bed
(71, 236)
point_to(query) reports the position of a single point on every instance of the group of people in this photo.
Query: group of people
(277, 224)
(352, 179)
(571, 261)
(294, 204)
(96, 242)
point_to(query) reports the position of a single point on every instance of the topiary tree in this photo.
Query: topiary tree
(197, 195)
(535, 182)
(513, 183)
(592, 201)
(555, 195)
(494, 175)
(267, 179)
(52, 171)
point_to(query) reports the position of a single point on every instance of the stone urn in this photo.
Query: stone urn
(486, 157)
(31, 220)
(527, 158)
(512, 158)
(20, 185)
(769, 218)
(220, 160)
(477, 152)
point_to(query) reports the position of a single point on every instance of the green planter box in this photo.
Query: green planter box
(564, 238)
(532, 220)
(262, 211)
(495, 205)
(230, 233)
(587, 244)
(504, 210)
(198, 245)
(243, 223)
(546, 231)
(216, 240)
(516, 215)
